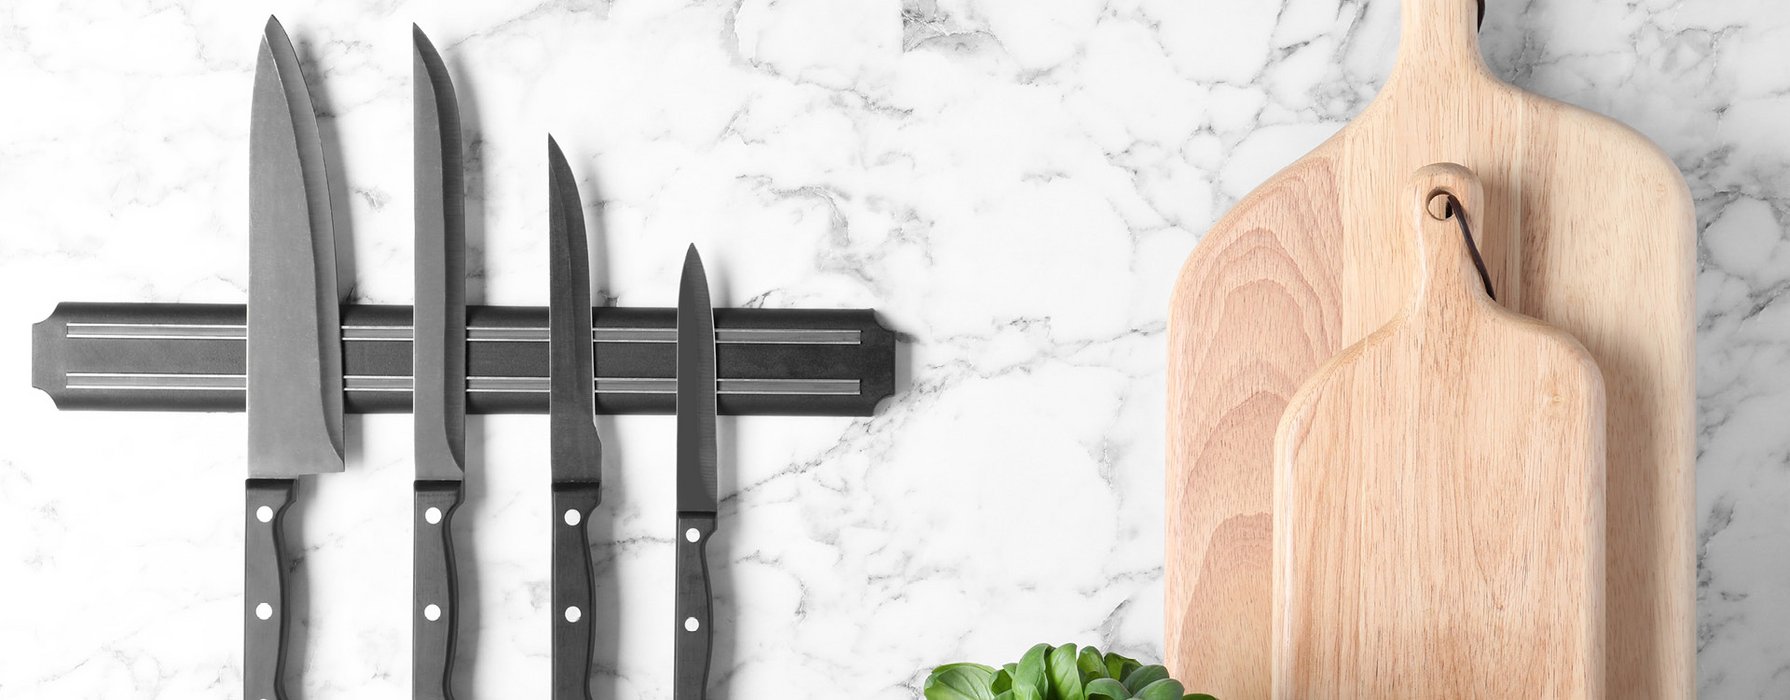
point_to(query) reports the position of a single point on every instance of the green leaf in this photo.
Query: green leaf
(961, 681)
(1107, 689)
(1030, 673)
(1118, 667)
(1003, 681)
(1091, 665)
(1066, 672)
(1065, 677)
(1145, 675)
(964, 664)
(1165, 689)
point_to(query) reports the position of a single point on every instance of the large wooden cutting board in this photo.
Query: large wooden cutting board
(1439, 496)
(1588, 228)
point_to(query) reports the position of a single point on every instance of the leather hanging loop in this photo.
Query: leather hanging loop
(1459, 214)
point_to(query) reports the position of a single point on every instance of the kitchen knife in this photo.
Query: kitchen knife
(438, 372)
(294, 344)
(696, 479)
(576, 451)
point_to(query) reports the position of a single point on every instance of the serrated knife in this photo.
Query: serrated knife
(294, 344)
(575, 449)
(697, 487)
(438, 372)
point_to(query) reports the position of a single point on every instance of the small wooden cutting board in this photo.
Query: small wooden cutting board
(1439, 496)
(1587, 226)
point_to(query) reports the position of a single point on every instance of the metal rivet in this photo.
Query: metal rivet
(264, 611)
(573, 613)
(691, 625)
(692, 535)
(433, 515)
(432, 612)
(572, 517)
(264, 514)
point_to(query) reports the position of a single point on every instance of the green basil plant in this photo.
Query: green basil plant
(1058, 673)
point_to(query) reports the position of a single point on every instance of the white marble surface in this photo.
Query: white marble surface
(1013, 183)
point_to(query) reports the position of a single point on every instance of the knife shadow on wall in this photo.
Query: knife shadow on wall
(473, 503)
(605, 551)
(298, 587)
(725, 616)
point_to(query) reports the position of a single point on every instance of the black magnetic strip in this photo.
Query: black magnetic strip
(817, 362)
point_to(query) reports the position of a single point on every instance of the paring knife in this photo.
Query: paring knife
(696, 479)
(438, 370)
(576, 451)
(294, 344)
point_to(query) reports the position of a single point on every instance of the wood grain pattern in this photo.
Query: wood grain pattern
(1439, 493)
(1587, 227)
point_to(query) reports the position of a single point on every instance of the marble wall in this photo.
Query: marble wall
(1012, 183)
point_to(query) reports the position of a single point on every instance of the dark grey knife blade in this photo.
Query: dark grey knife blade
(696, 478)
(575, 450)
(697, 487)
(440, 312)
(438, 370)
(295, 335)
(294, 344)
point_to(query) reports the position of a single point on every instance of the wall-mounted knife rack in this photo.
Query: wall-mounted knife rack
(191, 357)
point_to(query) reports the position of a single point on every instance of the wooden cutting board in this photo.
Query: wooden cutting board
(1439, 496)
(1588, 227)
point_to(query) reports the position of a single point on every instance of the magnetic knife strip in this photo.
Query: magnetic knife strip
(191, 357)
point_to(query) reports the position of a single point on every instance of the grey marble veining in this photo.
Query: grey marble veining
(1013, 183)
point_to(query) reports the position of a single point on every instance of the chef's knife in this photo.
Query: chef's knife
(294, 343)
(696, 479)
(438, 372)
(576, 451)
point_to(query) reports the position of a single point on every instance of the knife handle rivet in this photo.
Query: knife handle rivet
(433, 515)
(264, 514)
(692, 535)
(573, 613)
(264, 611)
(691, 625)
(432, 612)
(573, 518)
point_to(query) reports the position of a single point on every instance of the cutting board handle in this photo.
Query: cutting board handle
(1440, 37)
(1447, 280)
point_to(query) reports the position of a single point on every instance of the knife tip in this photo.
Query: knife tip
(273, 29)
(423, 49)
(557, 166)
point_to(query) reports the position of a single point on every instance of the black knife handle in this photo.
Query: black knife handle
(264, 588)
(435, 592)
(573, 593)
(694, 602)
